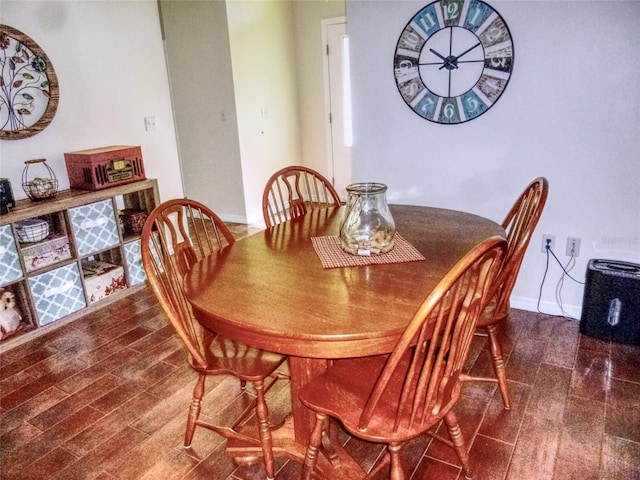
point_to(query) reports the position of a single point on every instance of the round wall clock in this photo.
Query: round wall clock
(28, 86)
(453, 60)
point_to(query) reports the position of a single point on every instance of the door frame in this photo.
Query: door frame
(325, 23)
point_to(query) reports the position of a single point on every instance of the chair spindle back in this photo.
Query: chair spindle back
(176, 234)
(519, 224)
(429, 356)
(293, 191)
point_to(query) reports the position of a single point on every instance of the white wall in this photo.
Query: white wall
(263, 62)
(109, 60)
(199, 59)
(308, 16)
(571, 112)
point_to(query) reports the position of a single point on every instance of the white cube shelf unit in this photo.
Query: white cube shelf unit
(54, 280)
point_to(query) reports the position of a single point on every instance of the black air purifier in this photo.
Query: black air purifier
(6, 196)
(611, 304)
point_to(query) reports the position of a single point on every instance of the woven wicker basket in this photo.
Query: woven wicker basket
(133, 221)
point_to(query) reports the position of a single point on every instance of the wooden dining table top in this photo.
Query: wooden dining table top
(269, 290)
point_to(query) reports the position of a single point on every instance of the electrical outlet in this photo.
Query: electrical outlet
(549, 240)
(573, 246)
(150, 123)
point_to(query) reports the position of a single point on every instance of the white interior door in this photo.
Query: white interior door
(337, 88)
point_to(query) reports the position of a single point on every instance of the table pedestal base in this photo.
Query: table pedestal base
(337, 465)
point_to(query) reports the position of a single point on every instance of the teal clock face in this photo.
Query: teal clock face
(453, 60)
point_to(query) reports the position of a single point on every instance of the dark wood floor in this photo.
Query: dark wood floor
(106, 396)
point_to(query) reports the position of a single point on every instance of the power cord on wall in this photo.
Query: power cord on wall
(565, 273)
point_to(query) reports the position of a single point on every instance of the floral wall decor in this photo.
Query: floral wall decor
(28, 86)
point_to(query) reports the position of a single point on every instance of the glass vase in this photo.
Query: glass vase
(368, 227)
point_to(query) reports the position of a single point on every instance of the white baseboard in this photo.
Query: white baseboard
(550, 308)
(233, 218)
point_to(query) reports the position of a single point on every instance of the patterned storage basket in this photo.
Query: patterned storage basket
(94, 227)
(57, 293)
(133, 257)
(11, 269)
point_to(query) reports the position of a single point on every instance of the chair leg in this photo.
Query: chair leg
(194, 410)
(382, 463)
(498, 364)
(262, 413)
(396, 467)
(315, 441)
(455, 433)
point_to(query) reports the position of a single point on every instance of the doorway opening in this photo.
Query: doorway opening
(337, 101)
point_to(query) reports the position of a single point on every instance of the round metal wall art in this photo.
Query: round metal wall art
(28, 86)
(453, 60)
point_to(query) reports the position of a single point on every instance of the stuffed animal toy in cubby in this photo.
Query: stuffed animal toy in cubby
(9, 314)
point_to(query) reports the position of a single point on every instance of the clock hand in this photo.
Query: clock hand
(451, 61)
(437, 54)
(468, 50)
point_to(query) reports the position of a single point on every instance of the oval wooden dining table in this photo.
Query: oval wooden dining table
(270, 290)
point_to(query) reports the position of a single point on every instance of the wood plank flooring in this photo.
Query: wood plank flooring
(106, 396)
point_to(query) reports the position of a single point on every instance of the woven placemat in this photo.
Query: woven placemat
(332, 256)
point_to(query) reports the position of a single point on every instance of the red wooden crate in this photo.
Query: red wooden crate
(104, 167)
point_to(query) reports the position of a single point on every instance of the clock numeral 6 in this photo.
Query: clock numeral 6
(449, 110)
